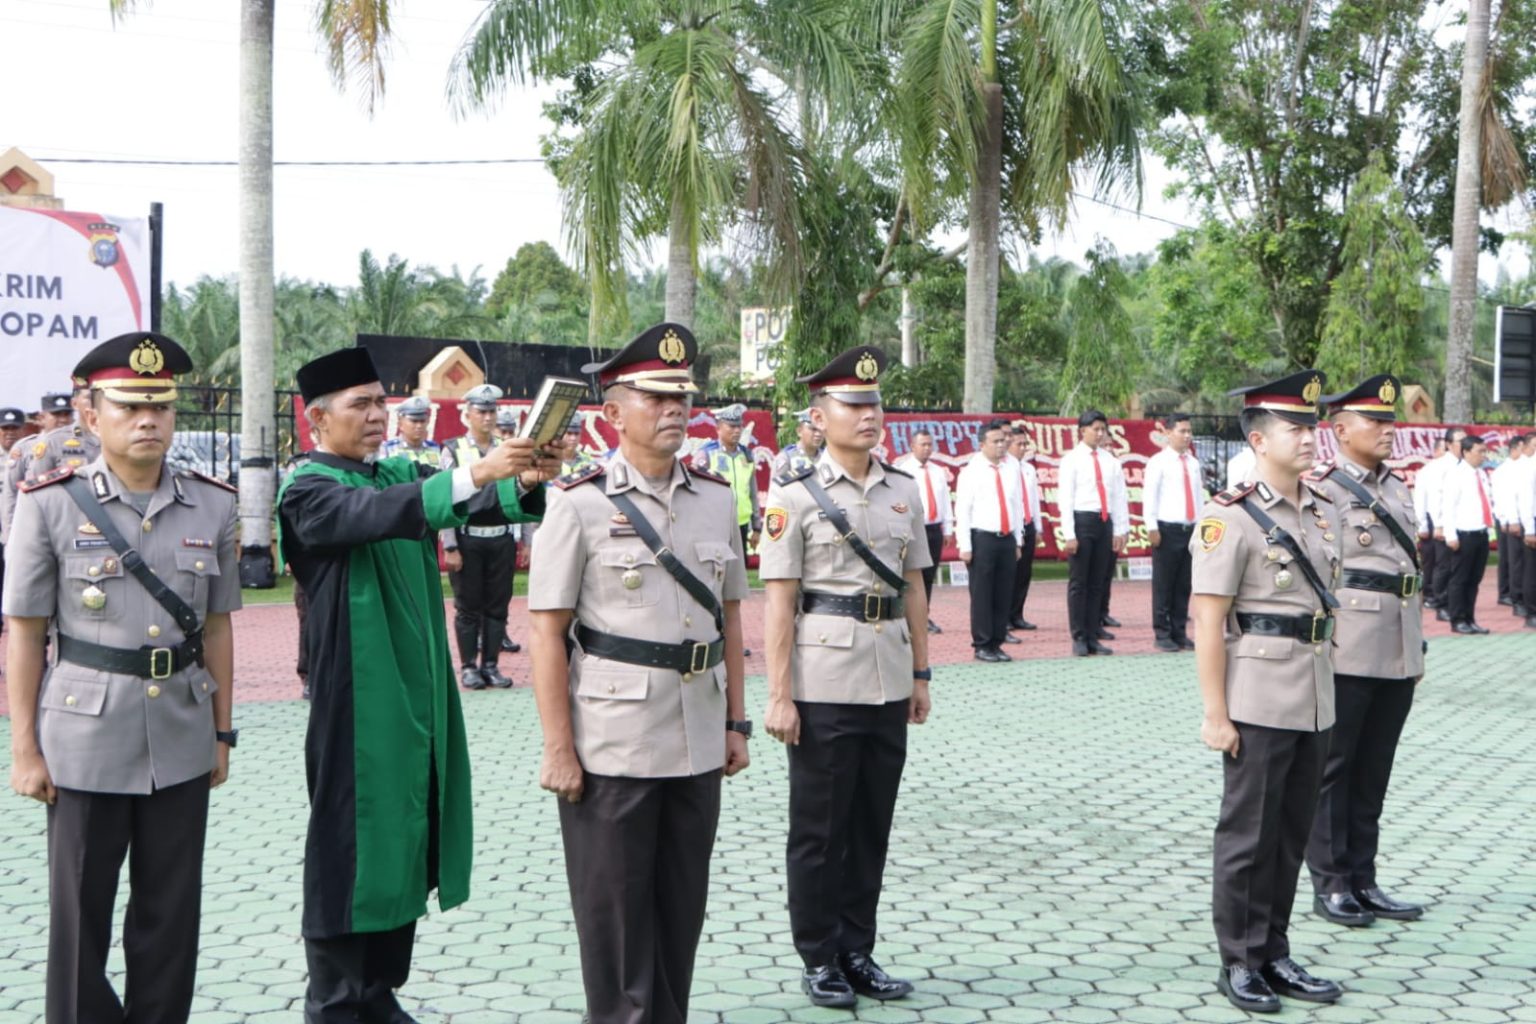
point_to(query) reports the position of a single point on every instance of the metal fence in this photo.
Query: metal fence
(208, 430)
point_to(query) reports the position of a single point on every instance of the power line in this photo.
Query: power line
(286, 163)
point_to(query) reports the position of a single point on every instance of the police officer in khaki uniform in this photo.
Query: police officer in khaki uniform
(847, 641)
(1266, 556)
(1378, 657)
(635, 590)
(481, 555)
(57, 418)
(124, 735)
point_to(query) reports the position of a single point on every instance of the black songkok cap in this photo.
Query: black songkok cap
(346, 368)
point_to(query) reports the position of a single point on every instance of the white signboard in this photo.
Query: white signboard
(761, 331)
(68, 281)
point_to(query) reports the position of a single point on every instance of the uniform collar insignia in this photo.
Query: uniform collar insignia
(100, 486)
(619, 474)
(827, 473)
(176, 488)
(1265, 494)
(1354, 470)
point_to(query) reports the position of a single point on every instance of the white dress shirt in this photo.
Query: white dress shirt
(1241, 467)
(1163, 492)
(1504, 483)
(1426, 489)
(1029, 490)
(1077, 489)
(976, 505)
(1461, 503)
(940, 511)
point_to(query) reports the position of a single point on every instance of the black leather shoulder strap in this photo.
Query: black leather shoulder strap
(696, 587)
(840, 523)
(1354, 487)
(164, 596)
(1276, 533)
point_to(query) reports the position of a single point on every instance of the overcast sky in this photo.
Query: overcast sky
(163, 84)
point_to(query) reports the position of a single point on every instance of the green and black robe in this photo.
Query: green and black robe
(386, 758)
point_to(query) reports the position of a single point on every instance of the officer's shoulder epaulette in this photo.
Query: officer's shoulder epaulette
(1396, 474)
(890, 468)
(52, 477)
(1234, 494)
(586, 473)
(223, 485)
(791, 474)
(1317, 491)
(694, 469)
(1318, 474)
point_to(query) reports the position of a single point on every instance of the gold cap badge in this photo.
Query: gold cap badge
(866, 368)
(672, 350)
(1388, 393)
(147, 359)
(1312, 391)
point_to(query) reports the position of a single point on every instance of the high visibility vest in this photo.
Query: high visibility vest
(738, 468)
(429, 454)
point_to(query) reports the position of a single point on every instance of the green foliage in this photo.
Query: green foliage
(1372, 320)
(1102, 358)
(536, 277)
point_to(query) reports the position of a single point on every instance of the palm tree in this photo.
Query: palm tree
(1007, 114)
(685, 137)
(356, 34)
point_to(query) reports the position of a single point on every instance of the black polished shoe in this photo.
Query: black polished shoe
(827, 986)
(471, 679)
(1342, 908)
(1530, 622)
(1011, 639)
(1080, 649)
(1098, 648)
(1382, 905)
(1022, 624)
(1164, 644)
(1469, 629)
(510, 646)
(867, 979)
(1002, 655)
(1247, 990)
(1289, 978)
(933, 627)
(1104, 634)
(1506, 602)
(1520, 611)
(1185, 643)
(493, 677)
(1110, 620)
(986, 654)
(1441, 615)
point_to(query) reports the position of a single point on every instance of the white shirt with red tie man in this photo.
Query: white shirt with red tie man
(989, 531)
(1020, 450)
(1466, 515)
(938, 515)
(1095, 522)
(1172, 494)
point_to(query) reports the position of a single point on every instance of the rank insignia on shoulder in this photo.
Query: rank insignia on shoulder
(1234, 494)
(1320, 472)
(775, 522)
(705, 473)
(205, 478)
(1210, 532)
(793, 473)
(591, 471)
(62, 473)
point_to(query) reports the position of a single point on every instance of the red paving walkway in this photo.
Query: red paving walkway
(266, 636)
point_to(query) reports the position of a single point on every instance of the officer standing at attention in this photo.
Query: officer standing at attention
(735, 465)
(640, 564)
(847, 642)
(1266, 557)
(58, 421)
(68, 444)
(807, 446)
(481, 555)
(1465, 517)
(1091, 535)
(135, 566)
(1172, 493)
(413, 416)
(1378, 655)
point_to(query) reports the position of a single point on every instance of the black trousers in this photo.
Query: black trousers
(1440, 582)
(1342, 850)
(301, 606)
(1087, 572)
(991, 586)
(1023, 573)
(1502, 573)
(1512, 551)
(1528, 574)
(1429, 561)
(935, 535)
(1267, 802)
(482, 590)
(843, 779)
(354, 977)
(637, 860)
(1171, 581)
(89, 834)
(1467, 564)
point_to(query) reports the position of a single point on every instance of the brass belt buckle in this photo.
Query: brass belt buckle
(871, 608)
(1323, 620)
(156, 656)
(698, 658)
(1411, 585)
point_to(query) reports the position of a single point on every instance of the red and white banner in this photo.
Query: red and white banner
(69, 280)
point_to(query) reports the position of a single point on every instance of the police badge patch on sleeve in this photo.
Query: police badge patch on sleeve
(775, 522)
(1210, 532)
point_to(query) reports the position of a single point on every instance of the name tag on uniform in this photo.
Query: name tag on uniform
(196, 542)
(82, 543)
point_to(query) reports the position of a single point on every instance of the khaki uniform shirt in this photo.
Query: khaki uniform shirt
(1378, 635)
(1276, 681)
(101, 731)
(836, 659)
(630, 720)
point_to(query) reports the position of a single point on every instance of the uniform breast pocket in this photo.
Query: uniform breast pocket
(193, 569)
(75, 696)
(825, 550)
(95, 585)
(894, 551)
(716, 559)
(632, 578)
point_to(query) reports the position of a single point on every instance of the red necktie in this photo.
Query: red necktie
(933, 503)
(1024, 489)
(1098, 481)
(1002, 499)
(1189, 491)
(1482, 496)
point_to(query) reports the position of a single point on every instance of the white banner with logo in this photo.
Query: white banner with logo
(762, 329)
(68, 281)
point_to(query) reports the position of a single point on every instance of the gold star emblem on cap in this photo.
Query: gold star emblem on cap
(1387, 393)
(672, 350)
(1312, 391)
(866, 368)
(147, 359)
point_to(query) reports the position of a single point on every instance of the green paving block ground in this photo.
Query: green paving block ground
(1050, 863)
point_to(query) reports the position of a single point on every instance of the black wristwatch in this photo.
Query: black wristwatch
(744, 727)
(925, 674)
(230, 737)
